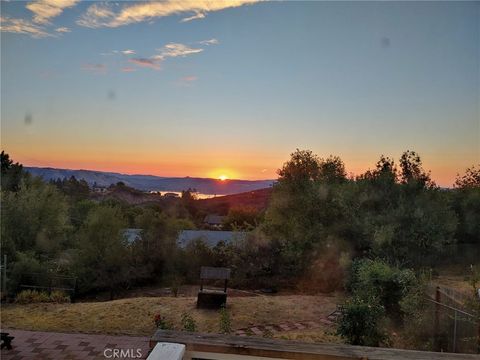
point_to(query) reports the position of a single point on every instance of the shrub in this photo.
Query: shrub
(59, 297)
(360, 322)
(225, 321)
(162, 323)
(188, 323)
(377, 279)
(176, 282)
(31, 297)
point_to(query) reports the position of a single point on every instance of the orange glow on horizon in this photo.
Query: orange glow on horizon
(237, 167)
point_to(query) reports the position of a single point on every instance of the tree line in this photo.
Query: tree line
(318, 220)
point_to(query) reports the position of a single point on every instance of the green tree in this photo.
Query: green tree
(412, 172)
(361, 322)
(241, 218)
(471, 179)
(103, 260)
(305, 214)
(11, 173)
(156, 252)
(34, 218)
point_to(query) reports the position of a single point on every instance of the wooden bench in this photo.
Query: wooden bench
(6, 340)
(212, 298)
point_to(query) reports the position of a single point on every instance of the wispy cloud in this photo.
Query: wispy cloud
(21, 26)
(175, 50)
(117, 52)
(63, 29)
(44, 10)
(171, 50)
(209, 42)
(187, 80)
(143, 62)
(198, 15)
(106, 15)
(128, 69)
(95, 68)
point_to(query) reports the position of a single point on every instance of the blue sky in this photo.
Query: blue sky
(240, 86)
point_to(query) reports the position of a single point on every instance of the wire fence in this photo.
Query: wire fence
(454, 328)
(48, 282)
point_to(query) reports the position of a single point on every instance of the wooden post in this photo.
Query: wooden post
(4, 276)
(478, 338)
(436, 345)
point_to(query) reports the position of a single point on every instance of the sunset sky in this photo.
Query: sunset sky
(205, 88)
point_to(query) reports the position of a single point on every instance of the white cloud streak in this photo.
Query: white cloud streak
(21, 26)
(105, 15)
(44, 10)
(63, 29)
(209, 42)
(175, 50)
(197, 16)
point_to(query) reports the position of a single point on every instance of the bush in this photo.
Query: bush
(33, 296)
(26, 265)
(360, 322)
(162, 323)
(377, 279)
(188, 323)
(225, 321)
(59, 297)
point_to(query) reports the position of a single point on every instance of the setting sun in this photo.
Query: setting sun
(223, 177)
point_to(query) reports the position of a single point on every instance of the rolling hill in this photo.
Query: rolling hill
(153, 183)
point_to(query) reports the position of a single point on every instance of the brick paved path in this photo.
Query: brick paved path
(262, 330)
(49, 345)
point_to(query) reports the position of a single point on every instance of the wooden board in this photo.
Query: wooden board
(167, 351)
(214, 273)
(283, 349)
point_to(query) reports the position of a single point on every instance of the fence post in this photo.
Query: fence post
(437, 319)
(455, 332)
(4, 276)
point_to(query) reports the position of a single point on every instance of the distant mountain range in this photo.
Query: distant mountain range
(153, 183)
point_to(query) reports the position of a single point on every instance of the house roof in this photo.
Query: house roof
(214, 219)
(132, 235)
(210, 238)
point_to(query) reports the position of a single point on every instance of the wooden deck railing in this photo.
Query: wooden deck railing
(227, 347)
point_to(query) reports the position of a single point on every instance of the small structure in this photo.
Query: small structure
(211, 238)
(132, 235)
(212, 298)
(99, 189)
(171, 195)
(213, 220)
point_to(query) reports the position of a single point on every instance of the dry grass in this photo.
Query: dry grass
(134, 316)
(458, 283)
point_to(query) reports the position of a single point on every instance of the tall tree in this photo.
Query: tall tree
(34, 218)
(103, 259)
(12, 173)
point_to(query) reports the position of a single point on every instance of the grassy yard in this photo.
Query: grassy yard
(134, 316)
(456, 282)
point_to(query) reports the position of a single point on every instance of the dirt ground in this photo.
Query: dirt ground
(134, 316)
